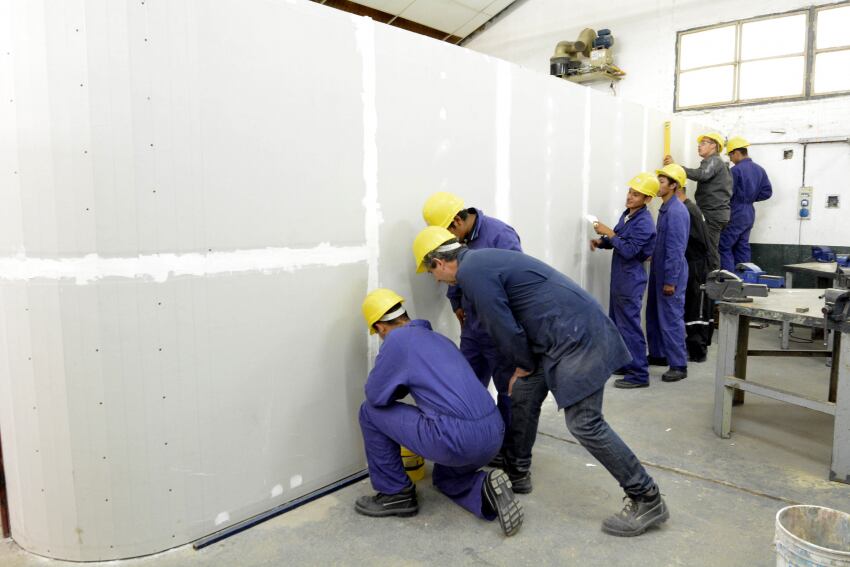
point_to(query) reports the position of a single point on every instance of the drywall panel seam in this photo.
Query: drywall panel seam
(547, 186)
(585, 178)
(503, 141)
(644, 166)
(161, 267)
(364, 36)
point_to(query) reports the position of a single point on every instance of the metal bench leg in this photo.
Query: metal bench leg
(840, 469)
(726, 354)
(741, 346)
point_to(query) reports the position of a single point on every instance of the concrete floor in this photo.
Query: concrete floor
(723, 494)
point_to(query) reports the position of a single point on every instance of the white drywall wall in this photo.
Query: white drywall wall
(195, 198)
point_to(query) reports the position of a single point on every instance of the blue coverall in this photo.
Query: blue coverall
(749, 184)
(475, 344)
(633, 243)
(665, 314)
(545, 323)
(454, 423)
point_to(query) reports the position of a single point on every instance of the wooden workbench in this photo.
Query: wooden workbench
(800, 307)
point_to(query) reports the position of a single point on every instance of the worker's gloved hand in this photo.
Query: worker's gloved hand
(668, 289)
(518, 373)
(594, 244)
(603, 229)
(668, 160)
(461, 316)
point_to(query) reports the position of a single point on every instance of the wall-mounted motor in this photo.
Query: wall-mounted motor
(588, 58)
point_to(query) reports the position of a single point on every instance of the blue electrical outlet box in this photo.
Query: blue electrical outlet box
(804, 203)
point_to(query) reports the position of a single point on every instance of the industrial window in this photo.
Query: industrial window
(765, 59)
(832, 50)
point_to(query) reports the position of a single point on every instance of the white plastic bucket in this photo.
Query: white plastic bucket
(812, 536)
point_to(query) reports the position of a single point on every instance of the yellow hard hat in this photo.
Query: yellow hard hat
(736, 143)
(675, 172)
(429, 239)
(645, 183)
(440, 209)
(712, 136)
(376, 305)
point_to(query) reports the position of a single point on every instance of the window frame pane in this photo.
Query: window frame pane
(702, 30)
(742, 23)
(814, 72)
(776, 97)
(818, 11)
(734, 71)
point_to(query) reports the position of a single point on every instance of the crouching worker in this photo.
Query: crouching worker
(455, 422)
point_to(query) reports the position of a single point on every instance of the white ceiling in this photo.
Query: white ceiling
(456, 17)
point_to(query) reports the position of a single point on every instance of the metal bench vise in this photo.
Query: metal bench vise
(723, 285)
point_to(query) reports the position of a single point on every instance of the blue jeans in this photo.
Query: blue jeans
(587, 424)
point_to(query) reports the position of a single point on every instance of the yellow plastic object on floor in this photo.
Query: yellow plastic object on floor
(414, 465)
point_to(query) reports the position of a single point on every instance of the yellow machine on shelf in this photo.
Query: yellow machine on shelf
(588, 58)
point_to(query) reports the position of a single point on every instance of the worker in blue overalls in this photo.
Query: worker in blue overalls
(749, 184)
(557, 339)
(454, 423)
(633, 241)
(476, 230)
(668, 279)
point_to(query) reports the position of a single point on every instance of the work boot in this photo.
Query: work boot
(638, 515)
(627, 384)
(674, 374)
(381, 505)
(497, 494)
(497, 462)
(521, 482)
(657, 360)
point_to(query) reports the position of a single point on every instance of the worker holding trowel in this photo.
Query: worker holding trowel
(454, 423)
(477, 230)
(633, 241)
(559, 340)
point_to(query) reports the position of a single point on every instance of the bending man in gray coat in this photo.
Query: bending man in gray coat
(714, 190)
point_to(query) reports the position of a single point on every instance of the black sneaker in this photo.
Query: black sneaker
(657, 360)
(637, 516)
(628, 384)
(674, 375)
(521, 482)
(500, 498)
(381, 505)
(693, 358)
